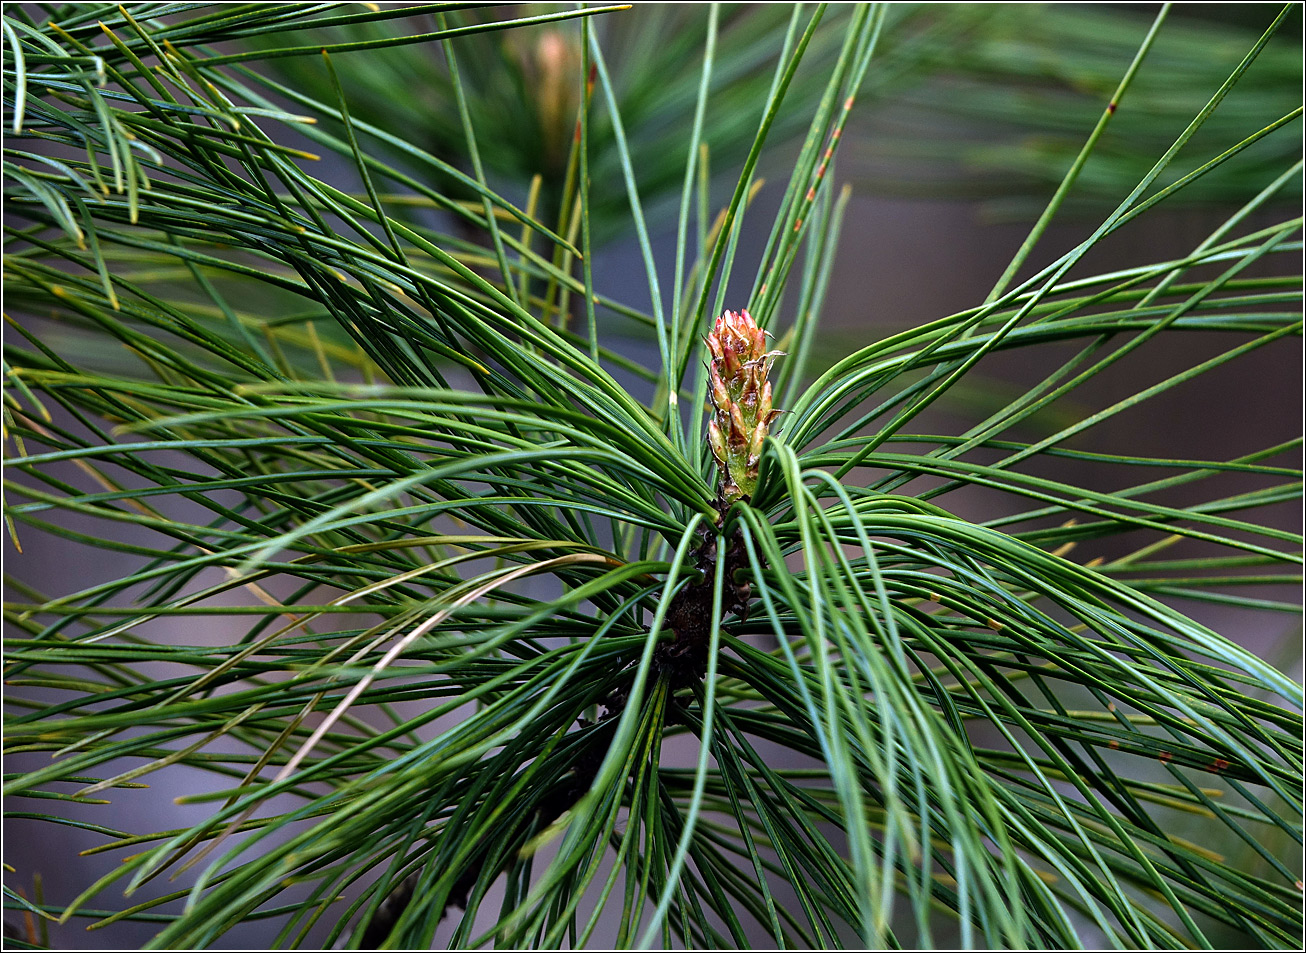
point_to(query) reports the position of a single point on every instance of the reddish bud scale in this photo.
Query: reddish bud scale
(741, 398)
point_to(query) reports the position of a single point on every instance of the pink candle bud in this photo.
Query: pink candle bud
(720, 395)
(717, 442)
(764, 404)
(739, 431)
(742, 399)
(729, 364)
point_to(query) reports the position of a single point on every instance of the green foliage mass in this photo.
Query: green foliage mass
(497, 664)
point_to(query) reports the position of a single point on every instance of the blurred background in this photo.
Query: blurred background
(968, 120)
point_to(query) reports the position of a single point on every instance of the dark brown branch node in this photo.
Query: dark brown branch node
(684, 658)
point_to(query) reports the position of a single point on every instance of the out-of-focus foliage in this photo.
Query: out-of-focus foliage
(1000, 113)
(984, 100)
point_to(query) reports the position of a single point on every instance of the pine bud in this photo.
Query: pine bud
(741, 397)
